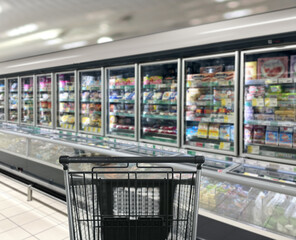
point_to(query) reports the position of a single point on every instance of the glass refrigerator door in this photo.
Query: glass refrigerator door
(13, 100)
(2, 100)
(269, 108)
(27, 116)
(159, 105)
(91, 101)
(209, 107)
(66, 100)
(121, 105)
(44, 100)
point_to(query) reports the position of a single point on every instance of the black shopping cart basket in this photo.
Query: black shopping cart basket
(122, 199)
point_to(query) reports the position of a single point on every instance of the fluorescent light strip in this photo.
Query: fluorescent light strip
(249, 25)
(41, 61)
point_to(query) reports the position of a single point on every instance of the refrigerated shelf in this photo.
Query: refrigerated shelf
(13, 99)
(159, 102)
(122, 102)
(2, 99)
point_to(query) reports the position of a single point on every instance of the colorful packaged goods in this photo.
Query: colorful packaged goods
(286, 137)
(293, 67)
(259, 134)
(251, 71)
(225, 132)
(272, 135)
(273, 67)
(203, 129)
(214, 131)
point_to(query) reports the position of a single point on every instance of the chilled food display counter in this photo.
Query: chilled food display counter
(253, 195)
(2, 99)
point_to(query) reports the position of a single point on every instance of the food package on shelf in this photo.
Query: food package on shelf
(130, 81)
(272, 136)
(214, 131)
(273, 67)
(286, 137)
(259, 134)
(191, 132)
(193, 94)
(203, 130)
(250, 71)
(293, 67)
(225, 132)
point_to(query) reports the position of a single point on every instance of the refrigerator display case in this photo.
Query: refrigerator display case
(44, 100)
(209, 107)
(13, 100)
(27, 100)
(2, 99)
(267, 173)
(66, 100)
(268, 104)
(90, 105)
(122, 102)
(159, 102)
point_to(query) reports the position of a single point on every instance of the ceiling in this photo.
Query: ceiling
(33, 27)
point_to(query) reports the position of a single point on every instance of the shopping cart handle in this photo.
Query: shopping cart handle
(101, 159)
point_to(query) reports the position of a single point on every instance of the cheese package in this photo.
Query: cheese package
(250, 71)
(271, 136)
(203, 129)
(293, 67)
(214, 131)
(273, 67)
(286, 137)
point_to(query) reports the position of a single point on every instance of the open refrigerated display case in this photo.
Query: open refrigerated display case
(66, 103)
(122, 102)
(13, 100)
(2, 99)
(91, 101)
(210, 100)
(44, 100)
(159, 102)
(268, 104)
(27, 100)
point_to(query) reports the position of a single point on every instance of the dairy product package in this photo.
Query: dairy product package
(214, 131)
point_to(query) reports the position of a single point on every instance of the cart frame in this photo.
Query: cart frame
(160, 162)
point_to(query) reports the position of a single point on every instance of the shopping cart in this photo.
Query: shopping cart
(128, 198)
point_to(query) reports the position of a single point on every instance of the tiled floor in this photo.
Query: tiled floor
(43, 218)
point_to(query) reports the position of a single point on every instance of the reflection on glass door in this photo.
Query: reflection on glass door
(90, 101)
(269, 107)
(121, 101)
(27, 116)
(159, 105)
(209, 109)
(66, 100)
(13, 99)
(44, 100)
(2, 100)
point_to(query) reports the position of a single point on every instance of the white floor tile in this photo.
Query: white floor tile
(57, 233)
(14, 234)
(31, 238)
(26, 217)
(2, 217)
(15, 210)
(6, 225)
(59, 217)
(39, 226)
(47, 210)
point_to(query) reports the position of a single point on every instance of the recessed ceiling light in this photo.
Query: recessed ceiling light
(28, 28)
(74, 44)
(1, 9)
(238, 13)
(219, 1)
(50, 34)
(104, 40)
(54, 41)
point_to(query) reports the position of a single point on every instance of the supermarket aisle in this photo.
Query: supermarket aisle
(42, 218)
